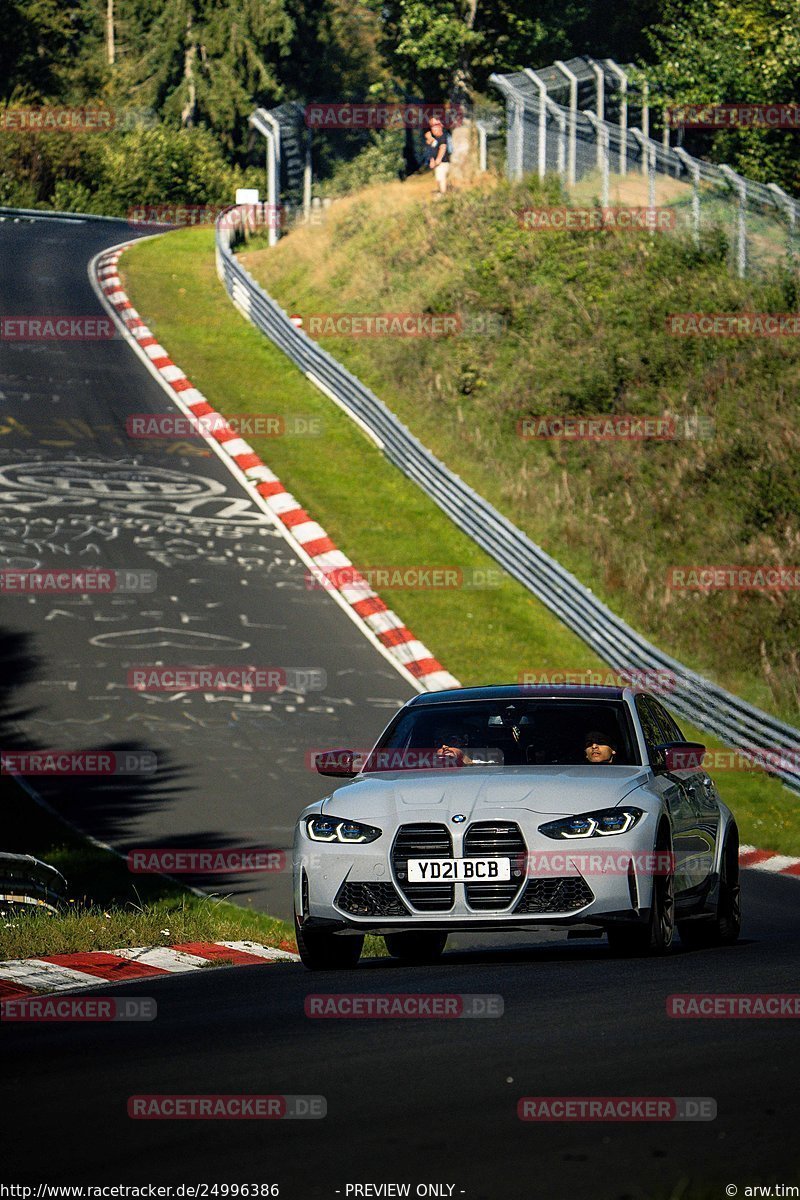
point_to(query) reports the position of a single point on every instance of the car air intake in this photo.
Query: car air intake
(370, 900)
(555, 895)
(495, 839)
(423, 841)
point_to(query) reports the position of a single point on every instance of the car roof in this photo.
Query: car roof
(515, 691)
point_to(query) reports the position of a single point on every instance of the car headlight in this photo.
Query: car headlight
(605, 823)
(335, 829)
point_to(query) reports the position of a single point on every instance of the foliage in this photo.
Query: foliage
(112, 173)
(718, 52)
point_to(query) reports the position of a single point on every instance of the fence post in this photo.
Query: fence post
(273, 121)
(307, 180)
(601, 134)
(573, 112)
(694, 170)
(482, 155)
(623, 114)
(519, 148)
(272, 188)
(542, 148)
(266, 125)
(561, 151)
(648, 165)
(600, 104)
(786, 201)
(740, 185)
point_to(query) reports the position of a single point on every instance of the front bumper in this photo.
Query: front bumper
(358, 887)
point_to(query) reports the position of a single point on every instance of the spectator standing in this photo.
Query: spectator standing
(440, 162)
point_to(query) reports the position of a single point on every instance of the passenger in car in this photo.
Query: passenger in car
(600, 747)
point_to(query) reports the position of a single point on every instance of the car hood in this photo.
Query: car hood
(436, 795)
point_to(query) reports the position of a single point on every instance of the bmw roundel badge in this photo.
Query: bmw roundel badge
(458, 818)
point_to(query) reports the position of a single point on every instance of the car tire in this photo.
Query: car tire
(656, 935)
(416, 948)
(321, 950)
(724, 927)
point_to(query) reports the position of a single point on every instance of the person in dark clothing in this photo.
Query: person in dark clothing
(428, 148)
(440, 162)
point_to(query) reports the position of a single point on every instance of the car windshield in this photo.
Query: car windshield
(496, 733)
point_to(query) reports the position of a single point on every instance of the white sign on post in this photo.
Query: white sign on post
(247, 195)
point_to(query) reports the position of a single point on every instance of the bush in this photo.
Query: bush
(379, 162)
(113, 172)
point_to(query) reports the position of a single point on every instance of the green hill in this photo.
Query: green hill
(584, 316)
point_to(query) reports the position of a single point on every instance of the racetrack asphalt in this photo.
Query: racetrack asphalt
(420, 1101)
(427, 1100)
(77, 491)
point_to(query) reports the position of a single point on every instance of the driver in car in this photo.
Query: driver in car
(599, 747)
(452, 743)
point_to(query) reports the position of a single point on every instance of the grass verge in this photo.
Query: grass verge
(372, 511)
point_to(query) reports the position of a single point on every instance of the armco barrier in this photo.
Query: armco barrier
(27, 882)
(703, 703)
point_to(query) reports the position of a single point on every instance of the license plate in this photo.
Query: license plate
(461, 870)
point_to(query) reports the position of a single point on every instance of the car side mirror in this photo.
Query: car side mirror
(343, 764)
(678, 756)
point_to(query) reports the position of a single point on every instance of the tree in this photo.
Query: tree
(37, 37)
(727, 51)
(204, 62)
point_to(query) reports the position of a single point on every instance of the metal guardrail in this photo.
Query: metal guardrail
(27, 883)
(702, 702)
(53, 212)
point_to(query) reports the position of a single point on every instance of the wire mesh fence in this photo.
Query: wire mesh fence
(591, 124)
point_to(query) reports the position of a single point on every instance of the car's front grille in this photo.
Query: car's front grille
(370, 900)
(423, 841)
(495, 839)
(555, 895)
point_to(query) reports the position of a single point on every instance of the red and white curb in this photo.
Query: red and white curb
(767, 860)
(384, 627)
(60, 972)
